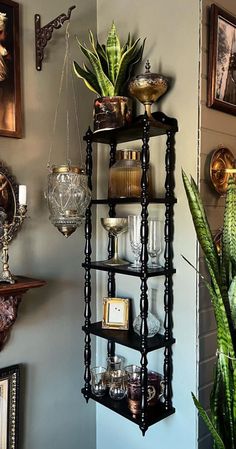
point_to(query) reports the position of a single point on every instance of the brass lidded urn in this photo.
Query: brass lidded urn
(148, 87)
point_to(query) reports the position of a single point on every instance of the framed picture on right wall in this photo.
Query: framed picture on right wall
(221, 92)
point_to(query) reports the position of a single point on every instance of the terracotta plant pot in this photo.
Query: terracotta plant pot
(112, 112)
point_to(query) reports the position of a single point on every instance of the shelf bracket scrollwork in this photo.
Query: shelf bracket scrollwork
(44, 34)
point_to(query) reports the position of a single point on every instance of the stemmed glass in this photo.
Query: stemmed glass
(154, 242)
(115, 226)
(134, 224)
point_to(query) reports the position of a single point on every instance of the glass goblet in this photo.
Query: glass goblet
(115, 226)
(154, 242)
(134, 224)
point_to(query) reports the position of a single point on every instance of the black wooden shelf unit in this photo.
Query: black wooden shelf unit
(143, 129)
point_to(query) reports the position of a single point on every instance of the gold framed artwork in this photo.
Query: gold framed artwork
(222, 61)
(9, 407)
(115, 313)
(10, 73)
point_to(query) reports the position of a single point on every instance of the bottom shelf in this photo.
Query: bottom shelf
(155, 414)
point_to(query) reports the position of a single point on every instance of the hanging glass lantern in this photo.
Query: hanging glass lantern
(68, 196)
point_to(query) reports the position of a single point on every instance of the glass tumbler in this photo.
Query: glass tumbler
(118, 384)
(133, 371)
(114, 363)
(134, 225)
(154, 242)
(98, 381)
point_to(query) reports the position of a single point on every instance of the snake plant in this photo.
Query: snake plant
(222, 289)
(111, 64)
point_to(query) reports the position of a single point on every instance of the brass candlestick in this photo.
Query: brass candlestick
(5, 239)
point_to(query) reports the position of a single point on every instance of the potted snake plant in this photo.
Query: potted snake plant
(110, 67)
(221, 265)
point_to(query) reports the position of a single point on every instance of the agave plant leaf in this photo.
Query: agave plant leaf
(210, 425)
(88, 77)
(201, 225)
(113, 52)
(106, 87)
(123, 66)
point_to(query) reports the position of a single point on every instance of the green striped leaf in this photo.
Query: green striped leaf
(201, 225)
(113, 53)
(88, 77)
(225, 347)
(229, 232)
(218, 441)
(232, 301)
(124, 62)
(106, 87)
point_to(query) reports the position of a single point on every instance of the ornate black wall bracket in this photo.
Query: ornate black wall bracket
(44, 34)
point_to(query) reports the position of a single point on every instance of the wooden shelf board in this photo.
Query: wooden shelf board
(128, 338)
(22, 284)
(154, 414)
(133, 200)
(134, 131)
(125, 269)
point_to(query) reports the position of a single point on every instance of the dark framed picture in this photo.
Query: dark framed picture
(222, 61)
(9, 407)
(10, 84)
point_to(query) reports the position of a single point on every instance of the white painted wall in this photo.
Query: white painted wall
(47, 336)
(172, 43)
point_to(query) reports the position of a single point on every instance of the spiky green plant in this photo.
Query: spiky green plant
(111, 64)
(222, 289)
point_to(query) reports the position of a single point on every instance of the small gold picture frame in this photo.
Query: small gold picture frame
(115, 313)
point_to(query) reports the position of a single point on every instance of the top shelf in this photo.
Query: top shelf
(161, 126)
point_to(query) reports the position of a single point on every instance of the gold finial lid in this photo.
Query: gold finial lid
(67, 169)
(127, 154)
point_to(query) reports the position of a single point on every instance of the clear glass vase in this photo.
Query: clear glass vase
(153, 325)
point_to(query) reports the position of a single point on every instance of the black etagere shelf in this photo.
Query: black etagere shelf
(154, 414)
(142, 129)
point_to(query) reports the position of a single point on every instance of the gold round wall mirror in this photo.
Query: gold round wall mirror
(9, 199)
(222, 165)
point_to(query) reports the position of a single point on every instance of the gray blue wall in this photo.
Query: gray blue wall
(172, 31)
(47, 336)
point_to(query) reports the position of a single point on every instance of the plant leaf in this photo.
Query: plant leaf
(218, 441)
(128, 55)
(229, 232)
(201, 225)
(232, 300)
(113, 53)
(88, 77)
(106, 87)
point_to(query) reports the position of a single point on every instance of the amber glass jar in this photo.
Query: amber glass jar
(125, 175)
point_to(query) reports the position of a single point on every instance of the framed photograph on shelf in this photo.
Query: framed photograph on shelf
(9, 407)
(115, 313)
(222, 61)
(10, 79)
